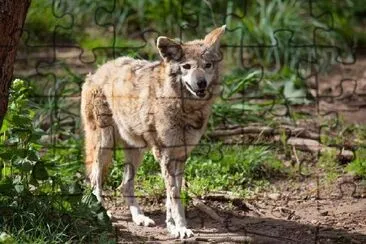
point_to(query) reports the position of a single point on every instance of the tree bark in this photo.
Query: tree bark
(12, 17)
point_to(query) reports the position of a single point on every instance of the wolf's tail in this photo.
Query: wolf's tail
(88, 95)
(89, 123)
(98, 126)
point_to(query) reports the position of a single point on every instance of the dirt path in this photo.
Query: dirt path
(295, 212)
(341, 92)
(288, 217)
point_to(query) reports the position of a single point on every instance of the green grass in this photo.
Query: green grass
(234, 168)
(358, 166)
(328, 162)
(351, 137)
(239, 169)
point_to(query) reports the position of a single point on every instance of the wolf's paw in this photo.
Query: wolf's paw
(180, 232)
(143, 220)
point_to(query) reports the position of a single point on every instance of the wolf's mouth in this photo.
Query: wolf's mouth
(199, 93)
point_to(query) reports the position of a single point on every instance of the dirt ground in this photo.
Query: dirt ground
(303, 210)
(341, 92)
(293, 212)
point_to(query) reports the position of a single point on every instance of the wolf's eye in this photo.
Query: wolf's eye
(208, 65)
(186, 66)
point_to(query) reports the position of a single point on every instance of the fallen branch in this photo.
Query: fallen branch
(207, 210)
(266, 131)
(222, 196)
(304, 144)
(226, 239)
(298, 138)
(313, 146)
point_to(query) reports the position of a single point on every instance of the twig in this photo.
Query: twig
(297, 159)
(295, 154)
(207, 210)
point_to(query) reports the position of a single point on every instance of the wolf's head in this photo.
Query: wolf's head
(194, 63)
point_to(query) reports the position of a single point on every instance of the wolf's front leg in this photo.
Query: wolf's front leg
(172, 171)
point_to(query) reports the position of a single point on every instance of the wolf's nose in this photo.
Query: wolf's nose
(202, 83)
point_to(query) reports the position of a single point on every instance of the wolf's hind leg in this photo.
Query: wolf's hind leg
(103, 151)
(133, 157)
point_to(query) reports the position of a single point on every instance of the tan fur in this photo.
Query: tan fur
(142, 105)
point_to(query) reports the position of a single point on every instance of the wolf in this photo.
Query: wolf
(163, 106)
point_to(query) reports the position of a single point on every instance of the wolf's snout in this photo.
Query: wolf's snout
(202, 83)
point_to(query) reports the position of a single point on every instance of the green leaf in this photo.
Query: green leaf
(21, 152)
(88, 197)
(24, 164)
(19, 188)
(21, 121)
(6, 238)
(95, 207)
(292, 94)
(6, 187)
(245, 107)
(13, 140)
(72, 189)
(75, 188)
(32, 155)
(240, 83)
(7, 155)
(103, 218)
(33, 181)
(5, 125)
(39, 171)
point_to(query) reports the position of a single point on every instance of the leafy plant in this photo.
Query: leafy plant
(38, 204)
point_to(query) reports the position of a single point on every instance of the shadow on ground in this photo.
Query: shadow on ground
(235, 229)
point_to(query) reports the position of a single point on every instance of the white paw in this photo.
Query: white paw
(180, 232)
(143, 220)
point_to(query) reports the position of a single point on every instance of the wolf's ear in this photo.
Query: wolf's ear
(212, 39)
(169, 49)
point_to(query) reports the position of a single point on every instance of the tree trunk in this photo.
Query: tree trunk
(12, 16)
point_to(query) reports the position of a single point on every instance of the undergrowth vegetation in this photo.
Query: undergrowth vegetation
(40, 201)
(279, 26)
